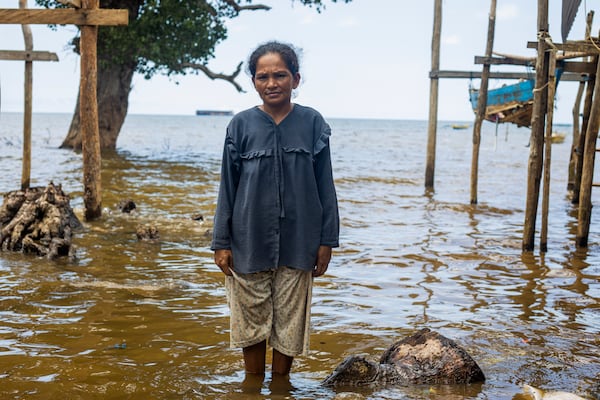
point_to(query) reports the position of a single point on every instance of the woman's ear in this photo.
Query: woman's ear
(296, 80)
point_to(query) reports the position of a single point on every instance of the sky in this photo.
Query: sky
(365, 59)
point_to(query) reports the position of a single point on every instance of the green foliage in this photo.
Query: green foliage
(164, 34)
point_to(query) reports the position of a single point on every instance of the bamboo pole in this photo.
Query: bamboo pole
(534, 170)
(548, 152)
(482, 103)
(433, 95)
(88, 110)
(587, 176)
(27, 109)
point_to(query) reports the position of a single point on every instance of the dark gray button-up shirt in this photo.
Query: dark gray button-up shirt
(277, 202)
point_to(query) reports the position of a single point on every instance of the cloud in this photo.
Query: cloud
(451, 39)
(348, 22)
(507, 12)
(307, 19)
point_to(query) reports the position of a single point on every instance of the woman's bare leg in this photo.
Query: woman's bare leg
(254, 358)
(282, 364)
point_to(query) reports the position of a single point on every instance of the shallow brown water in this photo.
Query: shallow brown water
(148, 320)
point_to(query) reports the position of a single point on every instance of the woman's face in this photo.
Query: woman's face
(273, 81)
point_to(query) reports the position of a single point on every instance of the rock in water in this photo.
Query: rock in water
(423, 358)
(38, 220)
(538, 394)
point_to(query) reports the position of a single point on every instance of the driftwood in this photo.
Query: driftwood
(38, 221)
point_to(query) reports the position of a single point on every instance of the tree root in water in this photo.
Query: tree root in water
(38, 221)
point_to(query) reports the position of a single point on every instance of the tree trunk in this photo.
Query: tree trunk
(114, 85)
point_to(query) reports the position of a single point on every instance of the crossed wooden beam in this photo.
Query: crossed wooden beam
(88, 15)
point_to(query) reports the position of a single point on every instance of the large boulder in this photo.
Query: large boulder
(423, 358)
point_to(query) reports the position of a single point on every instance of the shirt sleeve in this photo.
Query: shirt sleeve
(324, 176)
(230, 176)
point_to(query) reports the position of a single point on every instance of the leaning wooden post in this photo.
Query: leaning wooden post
(548, 155)
(589, 154)
(27, 111)
(572, 177)
(576, 130)
(482, 103)
(88, 114)
(434, 82)
(580, 149)
(534, 170)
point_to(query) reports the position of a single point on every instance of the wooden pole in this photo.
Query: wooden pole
(433, 95)
(534, 170)
(580, 149)
(571, 186)
(88, 106)
(482, 103)
(589, 154)
(27, 110)
(548, 156)
(576, 130)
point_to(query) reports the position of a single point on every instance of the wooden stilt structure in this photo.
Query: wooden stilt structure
(587, 176)
(482, 103)
(89, 16)
(581, 165)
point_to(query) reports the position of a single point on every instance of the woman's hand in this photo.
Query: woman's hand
(224, 260)
(322, 262)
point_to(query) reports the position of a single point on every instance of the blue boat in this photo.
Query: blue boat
(509, 103)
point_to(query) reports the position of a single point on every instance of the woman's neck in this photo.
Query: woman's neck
(279, 113)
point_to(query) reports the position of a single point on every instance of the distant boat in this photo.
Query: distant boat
(460, 126)
(558, 137)
(214, 112)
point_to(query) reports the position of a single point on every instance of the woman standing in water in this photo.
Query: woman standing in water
(277, 216)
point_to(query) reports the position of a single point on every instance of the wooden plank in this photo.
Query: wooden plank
(581, 67)
(581, 47)
(567, 77)
(502, 61)
(64, 16)
(17, 55)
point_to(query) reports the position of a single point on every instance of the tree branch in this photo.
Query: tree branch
(252, 7)
(213, 75)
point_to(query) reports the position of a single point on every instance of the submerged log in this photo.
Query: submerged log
(423, 358)
(38, 221)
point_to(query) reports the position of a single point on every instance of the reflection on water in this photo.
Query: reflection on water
(147, 319)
